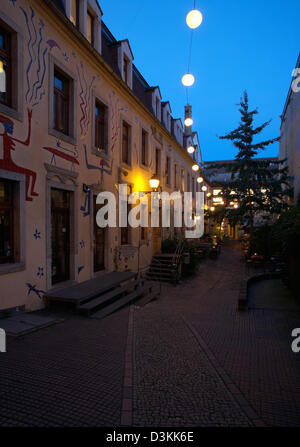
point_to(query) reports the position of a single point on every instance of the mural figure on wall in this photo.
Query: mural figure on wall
(58, 151)
(33, 289)
(80, 269)
(86, 208)
(37, 234)
(9, 145)
(85, 99)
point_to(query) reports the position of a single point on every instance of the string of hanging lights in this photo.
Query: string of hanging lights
(193, 20)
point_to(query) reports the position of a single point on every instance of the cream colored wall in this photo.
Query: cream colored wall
(91, 80)
(290, 140)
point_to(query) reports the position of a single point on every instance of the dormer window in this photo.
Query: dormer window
(90, 28)
(125, 69)
(157, 108)
(74, 14)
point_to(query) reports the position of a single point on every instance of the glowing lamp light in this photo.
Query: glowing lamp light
(188, 80)
(204, 188)
(154, 182)
(213, 209)
(195, 168)
(200, 179)
(194, 19)
(236, 206)
(209, 194)
(188, 122)
(191, 149)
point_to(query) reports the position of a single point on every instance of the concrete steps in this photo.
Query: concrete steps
(100, 297)
(165, 268)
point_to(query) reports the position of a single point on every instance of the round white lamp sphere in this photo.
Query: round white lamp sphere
(188, 122)
(188, 80)
(194, 19)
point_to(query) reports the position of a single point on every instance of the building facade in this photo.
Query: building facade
(76, 118)
(289, 147)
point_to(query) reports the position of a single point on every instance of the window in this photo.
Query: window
(90, 28)
(74, 16)
(157, 107)
(168, 120)
(157, 162)
(188, 183)
(144, 148)
(101, 126)
(5, 67)
(6, 221)
(175, 176)
(168, 173)
(182, 180)
(125, 143)
(61, 103)
(125, 70)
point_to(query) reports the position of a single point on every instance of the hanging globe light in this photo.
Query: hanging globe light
(200, 179)
(204, 188)
(195, 168)
(188, 80)
(188, 122)
(191, 149)
(194, 19)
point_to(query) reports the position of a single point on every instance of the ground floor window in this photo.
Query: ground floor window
(7, 221)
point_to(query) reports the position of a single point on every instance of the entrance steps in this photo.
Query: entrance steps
(165, 268)
(102, 296)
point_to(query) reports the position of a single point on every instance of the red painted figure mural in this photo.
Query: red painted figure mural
(8, 146)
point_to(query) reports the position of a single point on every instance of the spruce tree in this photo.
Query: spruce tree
(258, 186)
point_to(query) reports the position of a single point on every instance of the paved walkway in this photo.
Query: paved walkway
(70, 374)
(188, 359)
(250, 351)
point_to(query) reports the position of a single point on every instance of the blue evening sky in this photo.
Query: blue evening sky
(241, 44)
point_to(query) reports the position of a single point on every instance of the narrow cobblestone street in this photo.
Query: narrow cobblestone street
(241, 371)
(196, 361)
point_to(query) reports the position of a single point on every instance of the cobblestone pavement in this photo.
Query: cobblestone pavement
(70, 374)
(187, 359)
(175, 382)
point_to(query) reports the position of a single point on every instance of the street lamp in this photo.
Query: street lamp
(188, 80)
(154, 182)
(188, 122)
(194, 19)
(200, 179)
(204, 188)
(191, 149)
(195, 168)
